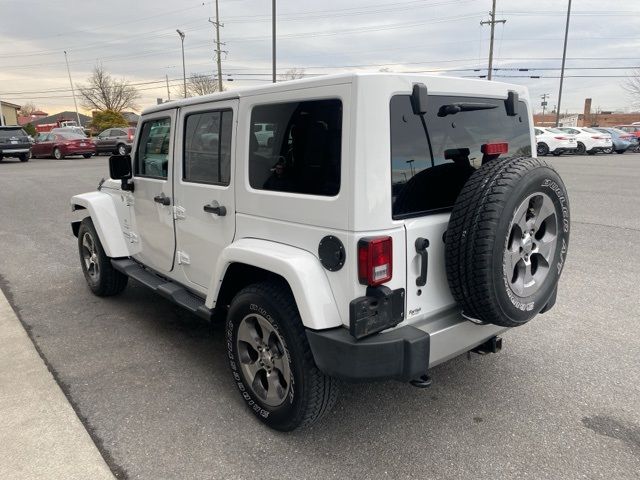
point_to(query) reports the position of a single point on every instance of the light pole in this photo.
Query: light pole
(273, 40)
(184, 72)
(73, 92)
(564, 58)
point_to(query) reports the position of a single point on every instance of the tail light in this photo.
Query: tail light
(375, 260)
(495, 148)
(561, 138)
(130, 136)
(68, 144)
(599, 138)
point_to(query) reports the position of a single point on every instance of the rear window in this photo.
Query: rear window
(428, 172)
(299, 150)
(8, 133)
(72, 136)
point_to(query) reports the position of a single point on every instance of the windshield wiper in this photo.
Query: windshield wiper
(454, 108)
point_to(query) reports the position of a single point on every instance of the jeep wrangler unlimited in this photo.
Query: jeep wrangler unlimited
(391, 222)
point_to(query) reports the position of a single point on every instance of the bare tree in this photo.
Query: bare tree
(197, 84)
(103, 92)
(27, 109)
(292, 74)
(632, 86)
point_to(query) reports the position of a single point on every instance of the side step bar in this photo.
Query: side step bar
(170, 290)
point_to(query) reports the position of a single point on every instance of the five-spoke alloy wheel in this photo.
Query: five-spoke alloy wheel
(271, 361)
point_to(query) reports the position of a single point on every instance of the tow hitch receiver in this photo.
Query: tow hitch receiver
(493, 345)
(423, 382)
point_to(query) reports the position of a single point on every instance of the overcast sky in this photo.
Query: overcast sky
(137, 40)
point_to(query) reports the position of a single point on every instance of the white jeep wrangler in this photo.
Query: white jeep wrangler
(391, 223)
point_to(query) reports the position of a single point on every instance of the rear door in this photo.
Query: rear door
(204, 194)
(428, 173)
(152, 210)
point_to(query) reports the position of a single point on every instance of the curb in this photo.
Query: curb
(40, 434)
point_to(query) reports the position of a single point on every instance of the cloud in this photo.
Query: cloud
(138, 41)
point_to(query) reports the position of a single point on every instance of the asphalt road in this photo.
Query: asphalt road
(150, 382)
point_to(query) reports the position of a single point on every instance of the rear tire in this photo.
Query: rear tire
(607, 150)
(57, 154)
(581, 149)
(620, 151)
(271, 361)
(121, 149)
(87, 155)
(24, 157)
(101, 277)
(507, 241)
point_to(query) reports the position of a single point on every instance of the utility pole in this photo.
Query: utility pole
(166, 77)
(273, 40)
(492, 22)
(544, 97)
(73, 92)
(219, 52)
(184, 72)
(564, 58)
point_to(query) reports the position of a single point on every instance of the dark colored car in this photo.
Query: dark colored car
(60, 145)
(14, 142)
(115, 140)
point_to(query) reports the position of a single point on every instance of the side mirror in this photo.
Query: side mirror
(120, 169)
(419, 97)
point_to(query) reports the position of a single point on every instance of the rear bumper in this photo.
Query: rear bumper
(404, 353)
(401, 354)
(13, 150)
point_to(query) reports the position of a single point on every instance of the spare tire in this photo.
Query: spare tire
(507, 241)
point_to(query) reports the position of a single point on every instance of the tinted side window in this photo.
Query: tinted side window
(426, 177)
(207, 147)
(118, 133)
(152, 155)
(300, 152)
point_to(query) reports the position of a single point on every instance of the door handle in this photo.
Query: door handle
(215, 208)
(421, 249)
(162, 199)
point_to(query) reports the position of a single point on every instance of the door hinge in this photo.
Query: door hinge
(183, 258)
(178, 213)
(133, 238)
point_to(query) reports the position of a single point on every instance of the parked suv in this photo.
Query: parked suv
(395, 222)
(115, 140)
(14, 142)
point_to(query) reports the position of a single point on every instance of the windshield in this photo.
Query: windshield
(429, 177)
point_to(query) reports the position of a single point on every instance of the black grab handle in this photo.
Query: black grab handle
(421, 248)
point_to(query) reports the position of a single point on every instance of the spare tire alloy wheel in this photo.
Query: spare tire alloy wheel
(507, 241)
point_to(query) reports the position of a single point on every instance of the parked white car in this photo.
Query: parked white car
(589, 140)
(554, 141)
(360, 244)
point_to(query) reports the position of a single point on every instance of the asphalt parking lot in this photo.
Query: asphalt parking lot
(150, 382)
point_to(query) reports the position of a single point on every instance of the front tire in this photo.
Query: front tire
(101, 277)
(24, 157)
(87, 155)
(620, 152)
(271, 361)
(543, 149)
